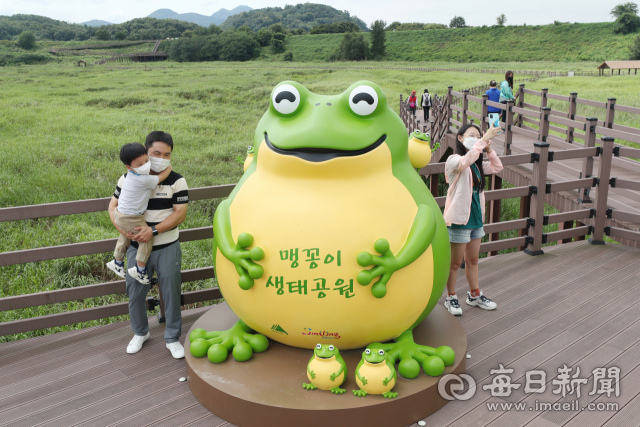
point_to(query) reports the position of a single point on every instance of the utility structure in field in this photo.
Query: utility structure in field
(620, 66)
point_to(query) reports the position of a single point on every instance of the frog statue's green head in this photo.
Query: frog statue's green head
(317, 128)
(325, 351)
(374, 356)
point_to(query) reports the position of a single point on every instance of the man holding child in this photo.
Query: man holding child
(165, 211)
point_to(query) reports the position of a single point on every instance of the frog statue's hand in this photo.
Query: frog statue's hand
(237, 252)
(419, 238)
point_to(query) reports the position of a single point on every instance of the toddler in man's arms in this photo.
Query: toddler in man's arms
(132, 203)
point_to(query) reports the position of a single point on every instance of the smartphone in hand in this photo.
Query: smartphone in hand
(495, 119)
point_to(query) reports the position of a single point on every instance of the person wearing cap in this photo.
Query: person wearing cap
(412, 102)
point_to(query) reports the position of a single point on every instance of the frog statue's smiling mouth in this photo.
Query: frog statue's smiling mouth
(312, 154)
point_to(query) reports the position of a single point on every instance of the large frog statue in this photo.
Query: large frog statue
(330, 234)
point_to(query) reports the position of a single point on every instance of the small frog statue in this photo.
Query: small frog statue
(326, 370)
(249, 159)
(375, 374)
(419, 147)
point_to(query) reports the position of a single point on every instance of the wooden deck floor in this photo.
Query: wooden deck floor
(577, 304)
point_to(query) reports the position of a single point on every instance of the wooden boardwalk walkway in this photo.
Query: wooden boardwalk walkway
(576, 304)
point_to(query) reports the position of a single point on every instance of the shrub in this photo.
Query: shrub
(119, 35)
(264, 37)
(288, 56)
(277, 42)
(353, 47)
(238, 46)
(103, 34)
(26, 40)
(627, 23)
(623, 8)
(187, 33)
(634, 50)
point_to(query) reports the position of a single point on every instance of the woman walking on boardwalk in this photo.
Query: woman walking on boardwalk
(506, 92)
(412, 102)
(464, 210)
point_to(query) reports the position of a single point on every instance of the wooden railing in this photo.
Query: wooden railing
(451, 112)
(88, 248)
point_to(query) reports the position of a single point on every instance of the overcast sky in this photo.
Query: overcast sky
(475, 12)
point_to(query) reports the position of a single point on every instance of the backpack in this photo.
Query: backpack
(412, 104)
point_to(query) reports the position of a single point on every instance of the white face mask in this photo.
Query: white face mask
(469, 142)
(158, 165)
(144, 169)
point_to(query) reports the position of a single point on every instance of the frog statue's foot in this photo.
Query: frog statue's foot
(412, 356)
(389, 394)
(360, 393)
(216, 345)
(243, 260)
(337, 390)
(308, 386)
(385, 265)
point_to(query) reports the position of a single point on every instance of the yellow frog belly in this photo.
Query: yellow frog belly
(375, 375)
(323, 368)
(312, 220)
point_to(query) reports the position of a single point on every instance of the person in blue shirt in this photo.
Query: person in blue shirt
(506, 91)
(494, 95)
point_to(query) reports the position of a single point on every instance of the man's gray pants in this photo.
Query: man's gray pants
(166, 263)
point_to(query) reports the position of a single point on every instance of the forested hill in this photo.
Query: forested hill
(51, 29)
(304, 16)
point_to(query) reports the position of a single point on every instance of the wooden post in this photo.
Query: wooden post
(494, 210)
(587, 162)
(541, 149)
(485, 112)
(465, 106)
(572, 114)
(520, 103)
(449, 111)
(543, 130)
(543, 97)
(608, 121)
(433, 184)
(604, 173)
(508, 134)
(525, 208)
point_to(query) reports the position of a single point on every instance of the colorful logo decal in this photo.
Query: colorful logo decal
(322, 334)
(278, 329)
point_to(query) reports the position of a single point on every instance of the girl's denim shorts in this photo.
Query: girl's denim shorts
(465, 235)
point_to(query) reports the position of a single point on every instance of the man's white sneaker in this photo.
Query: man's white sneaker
(136, 343)
(453, 305)
(176, 349)
(111, 265)
(140, 277)
(481, 301)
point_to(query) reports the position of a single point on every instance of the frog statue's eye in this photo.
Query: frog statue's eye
(363, 100)
(331, 347)
(381, 352)
(318, 346)
(286, 99)
(367, 351)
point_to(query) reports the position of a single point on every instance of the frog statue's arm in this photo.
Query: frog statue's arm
(343, 365)
(241, 257)
(420, 236)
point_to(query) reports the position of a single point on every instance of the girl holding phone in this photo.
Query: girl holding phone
(464, 210)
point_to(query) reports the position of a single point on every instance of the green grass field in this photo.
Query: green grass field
(62, 127)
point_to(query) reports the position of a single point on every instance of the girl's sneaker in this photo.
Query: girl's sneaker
(481, 301)
(117, 268)
(452, 304)
(140, 276)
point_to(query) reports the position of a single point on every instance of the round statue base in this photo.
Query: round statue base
(267, 389)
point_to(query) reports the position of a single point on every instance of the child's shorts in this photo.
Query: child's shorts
(465, 235)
